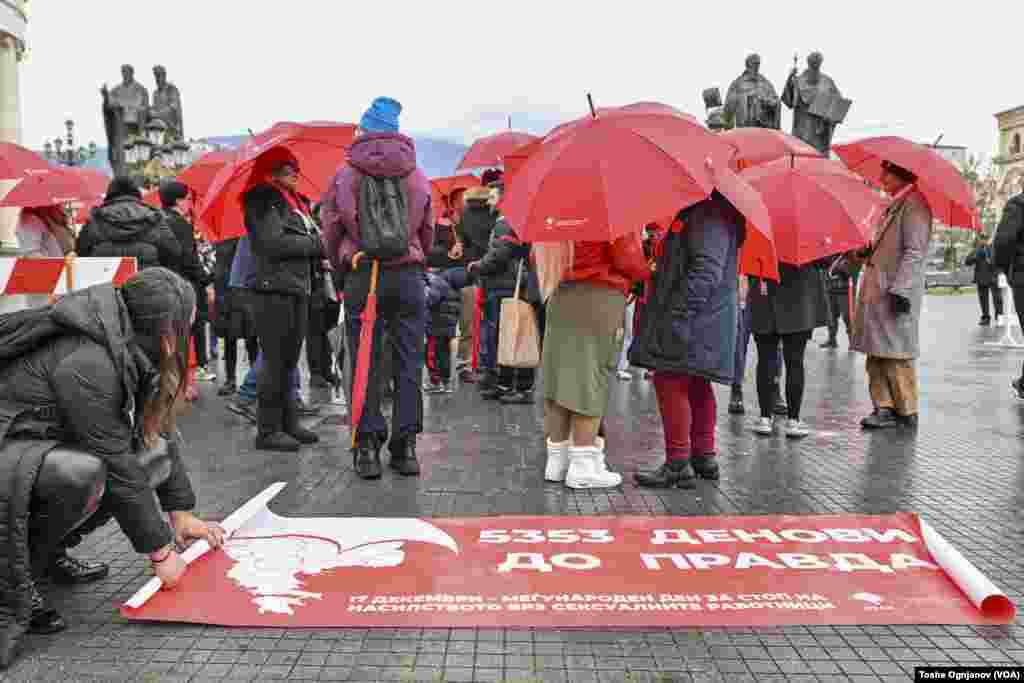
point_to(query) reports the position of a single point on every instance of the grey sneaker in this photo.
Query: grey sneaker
(795, 429)
(764, 426)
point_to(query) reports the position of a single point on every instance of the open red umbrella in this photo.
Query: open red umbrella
(57, 185)
(319, 147)
(491, 150)
(950, 197)
(199, 176)
(762, 145)
(18, 162)
(361, 372)
(602, 176)
(818, 208)
(443, 189)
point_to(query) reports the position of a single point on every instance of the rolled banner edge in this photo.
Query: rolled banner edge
(231, 524)
(979, 589)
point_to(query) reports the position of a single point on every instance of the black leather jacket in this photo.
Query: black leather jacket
(284, 250)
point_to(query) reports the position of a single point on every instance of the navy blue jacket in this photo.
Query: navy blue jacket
(444, 301)
(688, 324)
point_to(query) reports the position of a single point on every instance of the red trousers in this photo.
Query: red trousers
(687, 406)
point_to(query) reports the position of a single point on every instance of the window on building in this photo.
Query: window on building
(1015, 145)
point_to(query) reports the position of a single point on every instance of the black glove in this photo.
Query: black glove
(900, 304)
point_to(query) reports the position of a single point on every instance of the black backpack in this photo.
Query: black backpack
(384, 217)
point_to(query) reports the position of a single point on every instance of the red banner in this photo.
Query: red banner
(563, 572)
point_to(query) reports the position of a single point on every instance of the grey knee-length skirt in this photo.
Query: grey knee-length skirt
(582, 339)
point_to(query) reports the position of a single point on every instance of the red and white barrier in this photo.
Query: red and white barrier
(56, 276)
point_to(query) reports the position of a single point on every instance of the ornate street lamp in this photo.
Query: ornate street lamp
(63, 151)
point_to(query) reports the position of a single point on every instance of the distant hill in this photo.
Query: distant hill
(437, 157)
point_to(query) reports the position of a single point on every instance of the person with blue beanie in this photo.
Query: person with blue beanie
(382, 116)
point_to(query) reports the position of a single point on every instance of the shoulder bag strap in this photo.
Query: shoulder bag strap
(519, 278)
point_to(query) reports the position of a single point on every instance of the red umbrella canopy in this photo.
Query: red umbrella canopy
(950, 197)
(818, 208)
(18, 162)
(443, 190)
(58, 185)
(199, 176)
(320, 148)
(597, 178)
(492, 150)
(762, 145)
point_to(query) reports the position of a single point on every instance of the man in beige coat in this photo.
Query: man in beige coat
(886, 327)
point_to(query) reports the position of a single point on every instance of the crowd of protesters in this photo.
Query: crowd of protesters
(669, 300)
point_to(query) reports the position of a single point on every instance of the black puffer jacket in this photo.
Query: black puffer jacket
(126, 227)
(795, 304)
(283, 248)
(443, 241)
(475, 228)
(1009, 241)
(498, 268)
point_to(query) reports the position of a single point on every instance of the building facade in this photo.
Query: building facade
(13, 27)
(1010, 159)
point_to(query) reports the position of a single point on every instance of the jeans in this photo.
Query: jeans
(742, 342)
(687, 407)
(489, 331)
(402, 311)
(250, 388)
(627, 339)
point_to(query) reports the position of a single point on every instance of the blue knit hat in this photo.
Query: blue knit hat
(382, 116)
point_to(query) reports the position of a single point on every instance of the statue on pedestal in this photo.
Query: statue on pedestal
(167, 104)
(125, 113)
(818, 107)
(751, 101)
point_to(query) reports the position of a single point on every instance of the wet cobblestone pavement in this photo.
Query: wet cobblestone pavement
(963, 471)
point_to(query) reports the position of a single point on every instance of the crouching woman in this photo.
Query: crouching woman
(89, 390)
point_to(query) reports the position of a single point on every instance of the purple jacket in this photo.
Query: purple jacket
(378, 155)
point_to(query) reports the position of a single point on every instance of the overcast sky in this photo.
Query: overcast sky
(459, 68)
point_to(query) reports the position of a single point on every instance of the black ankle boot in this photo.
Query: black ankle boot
(278, 442)
(672, 473)
(67, 570)
(366, 459)
(45, 620)
(883, 418)
(403, 457)
(736, 401)
(705, 466)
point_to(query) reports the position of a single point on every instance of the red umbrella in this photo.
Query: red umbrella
(319, 148)
(761, 145)
(944, 188)
(361, 372)
(599, 177)
(817, 207)
(52, 187)
(199, 176)
(18, 162)
(96, 181)
(442, 190)
(152, 198)
(491, 150)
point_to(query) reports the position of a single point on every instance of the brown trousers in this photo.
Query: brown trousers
(466, 324)
(893, 384)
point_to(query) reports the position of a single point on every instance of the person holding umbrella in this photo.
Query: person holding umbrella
(284, 250)
(889, 306)
(363, 200)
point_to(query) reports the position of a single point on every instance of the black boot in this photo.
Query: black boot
(67, 570)
(403, 457)
(883, 418)
(672, 473)
(518, 398)
(278, 442)
(45, 620)
(293, 429)
(229, 389)
(366, 459)
(736, 401)
(705, 466)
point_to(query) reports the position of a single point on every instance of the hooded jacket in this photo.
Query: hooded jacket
(69, 373)
(476, 225)
(283, 247)
(500, 265)
(444, 304)
(380, 155)
(126, 227)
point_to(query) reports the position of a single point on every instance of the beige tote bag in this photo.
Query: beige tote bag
(518, 336)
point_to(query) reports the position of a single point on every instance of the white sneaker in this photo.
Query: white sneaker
(624, 376)
(558, 461)
(587, 470)
(795, 429)
(764, 426)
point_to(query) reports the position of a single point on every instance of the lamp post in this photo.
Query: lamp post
(62, 150)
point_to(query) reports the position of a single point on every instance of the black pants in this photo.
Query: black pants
(439, 358)
(997, 298)
(67, 492)
(281, 322)
(838, 307)
(322, 319)
(252, 348)
(793, 346)
(200, 343)
(1018, 304)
